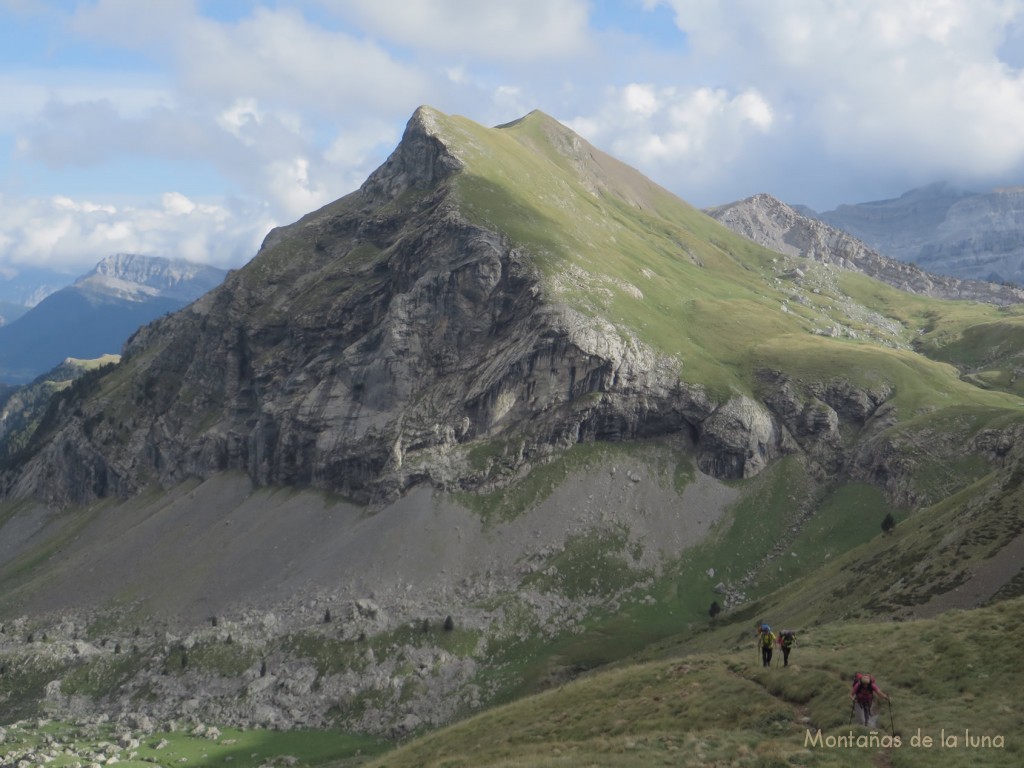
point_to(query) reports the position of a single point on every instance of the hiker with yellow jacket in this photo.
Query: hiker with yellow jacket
(766, 640)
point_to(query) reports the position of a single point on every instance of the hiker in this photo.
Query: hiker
(767, 639)
(863, 693)
(786, 639)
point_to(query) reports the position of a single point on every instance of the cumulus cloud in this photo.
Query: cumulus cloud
(280, 107)
(240, 118)
(278, 55)
(917, 84)
(276, 108)
(68, 234)
(667, 131)
(523, 30)
(272, 54)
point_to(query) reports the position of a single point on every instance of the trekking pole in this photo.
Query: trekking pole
(852, 705)
(893, 727)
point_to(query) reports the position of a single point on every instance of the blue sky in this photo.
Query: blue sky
(186, 128)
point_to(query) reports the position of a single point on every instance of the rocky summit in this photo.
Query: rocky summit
(506, 413)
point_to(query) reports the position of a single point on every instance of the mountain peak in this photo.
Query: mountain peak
(134, 277)
(533, 117)
(421, 160)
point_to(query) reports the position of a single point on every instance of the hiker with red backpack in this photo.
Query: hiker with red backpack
(787, 638)
(863, 695)
(766, 639)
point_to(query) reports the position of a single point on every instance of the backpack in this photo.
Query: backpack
(786, 638)
(864, 684)
(766, 637)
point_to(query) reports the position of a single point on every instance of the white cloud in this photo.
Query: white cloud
(63, 203)
(240, 118)
(698, 132)
(289, 105)
(68, 234)
(293, 190)
(523, 30)
(176, 203)
(273, 54)
(359, 145)
(277, 55)
(914, 85)
(269, 107)
(640, 99)
(510, 100)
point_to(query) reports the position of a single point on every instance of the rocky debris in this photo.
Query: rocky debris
(380, 666)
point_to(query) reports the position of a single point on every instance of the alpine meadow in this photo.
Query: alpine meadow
(501, 460)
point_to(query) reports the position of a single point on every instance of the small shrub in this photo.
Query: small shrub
(449, 623)
(715, 609)
(888, 523)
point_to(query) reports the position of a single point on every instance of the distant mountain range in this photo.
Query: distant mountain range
(9, 311)
(96, 314)
(27, 286)
(943, 229)
(771, 223)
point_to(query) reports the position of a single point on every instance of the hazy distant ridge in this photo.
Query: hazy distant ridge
(942, 229)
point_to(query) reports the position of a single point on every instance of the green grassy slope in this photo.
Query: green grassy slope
(983, 341)
(952, 675)
(64, 745)
(613, 244)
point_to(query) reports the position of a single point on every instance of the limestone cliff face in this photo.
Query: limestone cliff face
(381, 342)
(773, 224)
